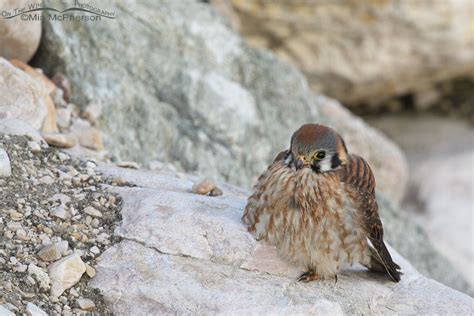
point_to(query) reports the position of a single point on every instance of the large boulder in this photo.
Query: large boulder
(19, 38)
(160, 212)
(365, 51)
(186, 89)
(187, 253)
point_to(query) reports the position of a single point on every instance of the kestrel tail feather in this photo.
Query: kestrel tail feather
(381, 255)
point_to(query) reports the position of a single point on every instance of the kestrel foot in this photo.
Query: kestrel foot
(308, 277)
(335, 277)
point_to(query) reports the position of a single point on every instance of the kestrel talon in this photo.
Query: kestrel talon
(316, 203)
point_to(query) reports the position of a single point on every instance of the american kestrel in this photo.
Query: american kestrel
(316, 203)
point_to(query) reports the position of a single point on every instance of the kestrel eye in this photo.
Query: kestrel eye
(321, 155)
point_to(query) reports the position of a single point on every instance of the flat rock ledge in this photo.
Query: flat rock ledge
(188, 253)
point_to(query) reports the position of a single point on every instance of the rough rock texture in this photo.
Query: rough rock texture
(21, 96)
(162, 213)
(202, 100)
(18, 39)
(188, 253)
(365, 51)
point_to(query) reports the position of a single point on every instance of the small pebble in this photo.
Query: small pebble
(204, 187)
(92, 212)
(128, 164)
(35, 148)
(59, 140)
(85, 304)
(216, 192)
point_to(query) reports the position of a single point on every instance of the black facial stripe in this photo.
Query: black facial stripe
(316, 167)
(335, 161)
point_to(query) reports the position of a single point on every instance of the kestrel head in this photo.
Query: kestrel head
(317, 146)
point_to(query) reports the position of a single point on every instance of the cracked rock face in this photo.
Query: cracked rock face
(187, 253)
(211, 104)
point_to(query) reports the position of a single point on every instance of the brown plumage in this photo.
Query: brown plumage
(316, 203)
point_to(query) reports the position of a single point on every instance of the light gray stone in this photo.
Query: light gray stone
(12, 126)
(188, 253)
(5, 167)
(39, 275)
(33, 310)
(92, 211)
(5, 312)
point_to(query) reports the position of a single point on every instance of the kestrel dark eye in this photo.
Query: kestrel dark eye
(321, 155)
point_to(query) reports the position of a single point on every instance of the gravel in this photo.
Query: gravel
(52, 206)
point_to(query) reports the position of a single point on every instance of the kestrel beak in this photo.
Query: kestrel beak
(302, 162)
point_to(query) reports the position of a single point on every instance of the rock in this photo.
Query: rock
(21, 96)
(33, 310)
(50, 253)
(65, 273)
(128, 164)
(46, 180)
(59, 140)
(88, 136)
(92, 139)
(216, 192)
(34, 147)
(146, 219)
(357, 52)
(90, 271)
(5, 168)
(49, 123)
(92, 112)
(204, 187)
(64, 199)
(95, 250)
(92, 211)
(198, 246)
(40, 276)
(85, 304)
(35, 73)
(63, 247)
(18, 39)
(447, 197)
(218, 108)
(60, 212)
(5, 312)
(18, 127)
(63, 117)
